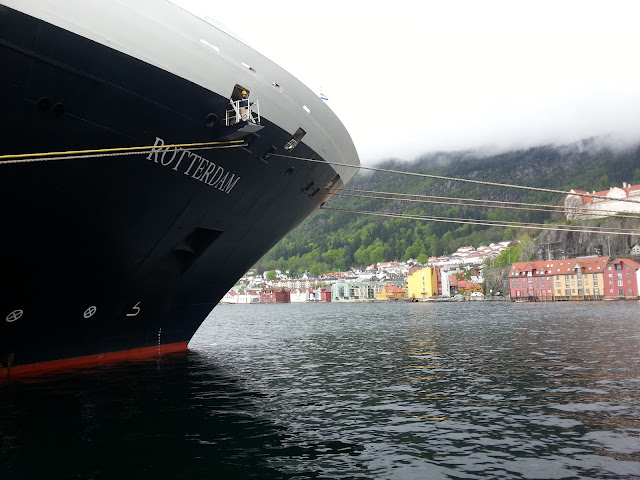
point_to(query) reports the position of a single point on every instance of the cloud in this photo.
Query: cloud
(407, 78)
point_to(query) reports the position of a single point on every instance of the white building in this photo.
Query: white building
(304, 295)
(602, 204)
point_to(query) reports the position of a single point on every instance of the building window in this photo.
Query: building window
(618, 267)
(558, 284)
(580, 291)
(596, 291)
(620, 283)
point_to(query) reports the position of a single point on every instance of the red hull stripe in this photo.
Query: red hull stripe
(93, 360)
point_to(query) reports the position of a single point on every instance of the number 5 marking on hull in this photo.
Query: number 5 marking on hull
(135, 309)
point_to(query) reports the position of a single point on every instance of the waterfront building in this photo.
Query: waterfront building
(230, 297)
(463, 287)
(391, 292)
(304, 295)
(422, 283)
(621, 279)
(323, 295)
(567, 279)
(275, 295)
(354, 290)
(250, 296)
(237, 296)
(444, 285)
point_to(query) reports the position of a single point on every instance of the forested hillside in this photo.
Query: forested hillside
(331, 240)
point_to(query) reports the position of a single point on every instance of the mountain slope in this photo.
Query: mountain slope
(332, 240)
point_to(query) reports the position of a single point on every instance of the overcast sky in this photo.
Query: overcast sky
(409, 77)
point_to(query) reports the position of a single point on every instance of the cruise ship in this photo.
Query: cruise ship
(137, 181)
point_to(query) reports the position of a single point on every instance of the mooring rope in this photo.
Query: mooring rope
(477, 222)
(108, 152)
(452, 179)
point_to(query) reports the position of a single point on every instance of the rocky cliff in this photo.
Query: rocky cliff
(555, 244)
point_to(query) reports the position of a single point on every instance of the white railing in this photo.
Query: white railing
(237, 113)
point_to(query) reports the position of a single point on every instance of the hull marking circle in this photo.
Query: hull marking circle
(89, 312)
(15, 315)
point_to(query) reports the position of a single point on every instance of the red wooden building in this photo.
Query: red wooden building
(621, 279)
(325, 295)
(275, 295)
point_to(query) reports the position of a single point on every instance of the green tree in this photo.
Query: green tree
(271, 275)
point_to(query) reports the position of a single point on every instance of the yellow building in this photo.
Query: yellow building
(422, 283)
(579, 278)
(391, 292)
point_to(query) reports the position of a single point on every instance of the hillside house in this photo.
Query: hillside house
(602, 204)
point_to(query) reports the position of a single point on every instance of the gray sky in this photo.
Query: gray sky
(409, 77)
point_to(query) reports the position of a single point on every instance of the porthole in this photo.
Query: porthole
(249, 67)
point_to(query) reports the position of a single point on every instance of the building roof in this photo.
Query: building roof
(413, 270)
(611, 194)
(560, 267)
(393, 289)
(627, 261)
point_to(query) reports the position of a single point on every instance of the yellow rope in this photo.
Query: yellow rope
(108, 150)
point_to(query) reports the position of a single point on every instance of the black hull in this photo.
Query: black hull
(115, 253)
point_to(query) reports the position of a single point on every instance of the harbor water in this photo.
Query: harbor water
(468, 390)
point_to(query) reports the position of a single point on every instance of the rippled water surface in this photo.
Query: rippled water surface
(471, 390)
